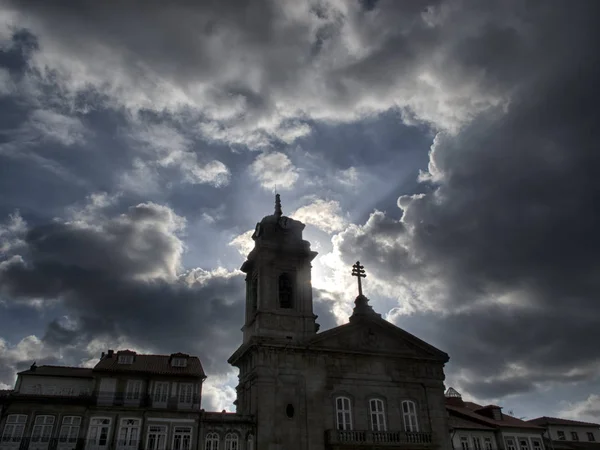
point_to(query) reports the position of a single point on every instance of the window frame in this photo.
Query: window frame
(411, 415)
(130, 390)
(177, 433)
(154, 430)
(69, 427)
(39, 430)
(464, 440)
(537, 441)
(561, 435)
(527, 445)
(232, 441)
(108, 433)
(591, 437)
(346, 414)
(183, 394)
(15, 424)
(377, 416)
(164, 393)
(486, 441)
(574, 436)
(477, 445)
(179, 362)
(211, 441)
(508, 445)
(125, 358)
(126, 443)
(250, 442)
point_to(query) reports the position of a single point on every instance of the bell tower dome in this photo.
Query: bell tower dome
(278, 280)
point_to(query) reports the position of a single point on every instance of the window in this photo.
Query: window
(377, 414)
(536, 444)
(250, 445)
(134, 390)
(161, 392)
(464, 443)
(125, 359)
(129, 434)
(477, 443)
(523, 444)
(211, 441)
(561, 435)
(231, 441)
(13, 430)
(487, 442)
(182, 438)
(42, 430)
(107, 388)
(98, 433)
(510, 444)
(591, 436)
(343, 413)
(186, 391)
(157, 437)
(285, 291)
(179, 362)
(409, 413)
(69, 430)
(574, 436)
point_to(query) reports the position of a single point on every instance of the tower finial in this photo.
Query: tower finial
(278, 211)
(358, 271)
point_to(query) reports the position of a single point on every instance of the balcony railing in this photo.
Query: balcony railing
(384, 438)
(27, 443)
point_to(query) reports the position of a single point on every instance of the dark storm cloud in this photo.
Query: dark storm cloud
(506, 233)
(118, 278)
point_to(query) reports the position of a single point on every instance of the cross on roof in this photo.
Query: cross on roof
(358, 271)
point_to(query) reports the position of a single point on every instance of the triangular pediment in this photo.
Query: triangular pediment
(376, 336)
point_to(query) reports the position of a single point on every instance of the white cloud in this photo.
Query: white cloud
(336, 66)
(55, 126)
(274, 170)
(586, 410)
(323, 214)
(166, 147)
(243, 243)
(11, 233)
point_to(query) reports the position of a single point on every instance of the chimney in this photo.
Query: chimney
(110, 353)
(33, 367)
(102, 356)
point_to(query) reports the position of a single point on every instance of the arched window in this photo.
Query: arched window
(231, 441)
(409, 413)
(377, 414)
(285, 291)
(343, 413)
(250, 444)
(212, 441)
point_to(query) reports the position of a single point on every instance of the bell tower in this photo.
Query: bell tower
(278, 281)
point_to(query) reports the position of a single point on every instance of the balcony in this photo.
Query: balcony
(389, 439)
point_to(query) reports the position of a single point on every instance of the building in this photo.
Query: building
(565, 434)
(125, 401)
(365, 384)
(477, 427)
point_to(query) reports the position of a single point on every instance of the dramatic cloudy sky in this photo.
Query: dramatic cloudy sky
(451, 146)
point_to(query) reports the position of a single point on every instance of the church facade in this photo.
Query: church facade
(366, 384)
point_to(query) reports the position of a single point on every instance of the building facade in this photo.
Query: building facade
(478, 427)
(565, 434)
(365, 384)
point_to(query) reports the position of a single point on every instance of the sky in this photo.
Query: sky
(449, 145)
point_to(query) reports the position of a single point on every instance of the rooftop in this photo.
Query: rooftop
(151, 364)
(544, 421)
(58, 371)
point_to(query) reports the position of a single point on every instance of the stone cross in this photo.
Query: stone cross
(358, 271)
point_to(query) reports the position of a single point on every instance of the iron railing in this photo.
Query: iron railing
(27, 443)
(367, 437)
